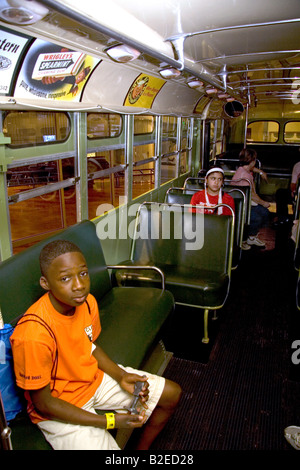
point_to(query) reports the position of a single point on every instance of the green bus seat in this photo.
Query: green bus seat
(131, 316)
(197, 274)
(183, 196)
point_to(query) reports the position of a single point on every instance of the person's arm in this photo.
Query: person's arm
(261, 173)
(56, 409)
(294, 178)
(293, 188)
(293, 185)
(125, 380)
(255, 197)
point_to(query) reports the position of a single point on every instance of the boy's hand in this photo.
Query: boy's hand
(129, 421)
(128, 381)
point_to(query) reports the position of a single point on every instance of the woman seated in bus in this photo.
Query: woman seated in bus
(259, 208)
(213, 194)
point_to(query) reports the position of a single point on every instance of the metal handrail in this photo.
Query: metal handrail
(5, 431)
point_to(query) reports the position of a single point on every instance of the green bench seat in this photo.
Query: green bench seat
(131, 317)
(183, 196)
(197, 275)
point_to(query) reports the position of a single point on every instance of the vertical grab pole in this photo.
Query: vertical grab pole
(246, 125)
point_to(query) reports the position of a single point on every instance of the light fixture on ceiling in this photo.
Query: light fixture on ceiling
(223, 95)
(122, 53)
(22, 12)
(230, 99)
(170, 72)
(195, 83)
(211, 91)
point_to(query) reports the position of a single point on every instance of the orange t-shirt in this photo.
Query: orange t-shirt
(56, 349)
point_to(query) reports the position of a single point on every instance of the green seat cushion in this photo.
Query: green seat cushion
(195, 286)
(26, 435)
(139, 314)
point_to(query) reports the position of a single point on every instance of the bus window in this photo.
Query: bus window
(106, 181)
(29, 128)
(143, 172)
(101, 125)
(54, 213)
(183, 161)
(184, 146)
(292, 132)
(143, 124)
(56, 210)
(169, 149)
(39, 174)
(169, 126)
(143, 169)
(263, 131)
(216, 136)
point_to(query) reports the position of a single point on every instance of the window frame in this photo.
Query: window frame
(39, 144)
(295, 142)
(92, 138)
(252, 141)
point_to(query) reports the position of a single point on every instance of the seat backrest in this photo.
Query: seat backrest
(183, 196)
(176, 237)
(20, 274)
(247, 192)
(239, 223)
(240, 206)
(194, 183)
(178, 196)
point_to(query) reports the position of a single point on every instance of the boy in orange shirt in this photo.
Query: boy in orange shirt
(66, 376)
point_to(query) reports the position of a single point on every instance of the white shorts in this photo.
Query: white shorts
(108, 396)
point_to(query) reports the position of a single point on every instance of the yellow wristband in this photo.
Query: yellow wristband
(110, 420)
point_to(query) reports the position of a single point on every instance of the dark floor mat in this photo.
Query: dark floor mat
(244, 396)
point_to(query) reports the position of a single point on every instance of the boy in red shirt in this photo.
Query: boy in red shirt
(212, 194)
(66, 376)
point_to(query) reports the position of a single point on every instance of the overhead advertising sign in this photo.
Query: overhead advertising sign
(54, 73)
(143, 91)
(11, 47)
(60, 64)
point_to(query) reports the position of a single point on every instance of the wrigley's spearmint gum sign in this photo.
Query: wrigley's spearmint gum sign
(58, 64)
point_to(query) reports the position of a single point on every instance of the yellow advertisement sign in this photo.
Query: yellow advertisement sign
(52, 72)
(143, 91)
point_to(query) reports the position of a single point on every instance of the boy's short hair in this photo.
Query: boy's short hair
(54, 249)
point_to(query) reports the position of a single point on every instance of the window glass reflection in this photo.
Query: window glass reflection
(29, 128)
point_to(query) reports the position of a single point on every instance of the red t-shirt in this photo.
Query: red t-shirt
(57, 352)
(199, 199)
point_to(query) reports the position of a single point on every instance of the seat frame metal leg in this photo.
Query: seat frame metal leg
(205, 338)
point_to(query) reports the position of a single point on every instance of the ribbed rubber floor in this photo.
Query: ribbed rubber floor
(249, 390)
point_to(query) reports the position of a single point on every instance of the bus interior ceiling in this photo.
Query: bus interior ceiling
(248, 50)
(225, 63)
(160, 89)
